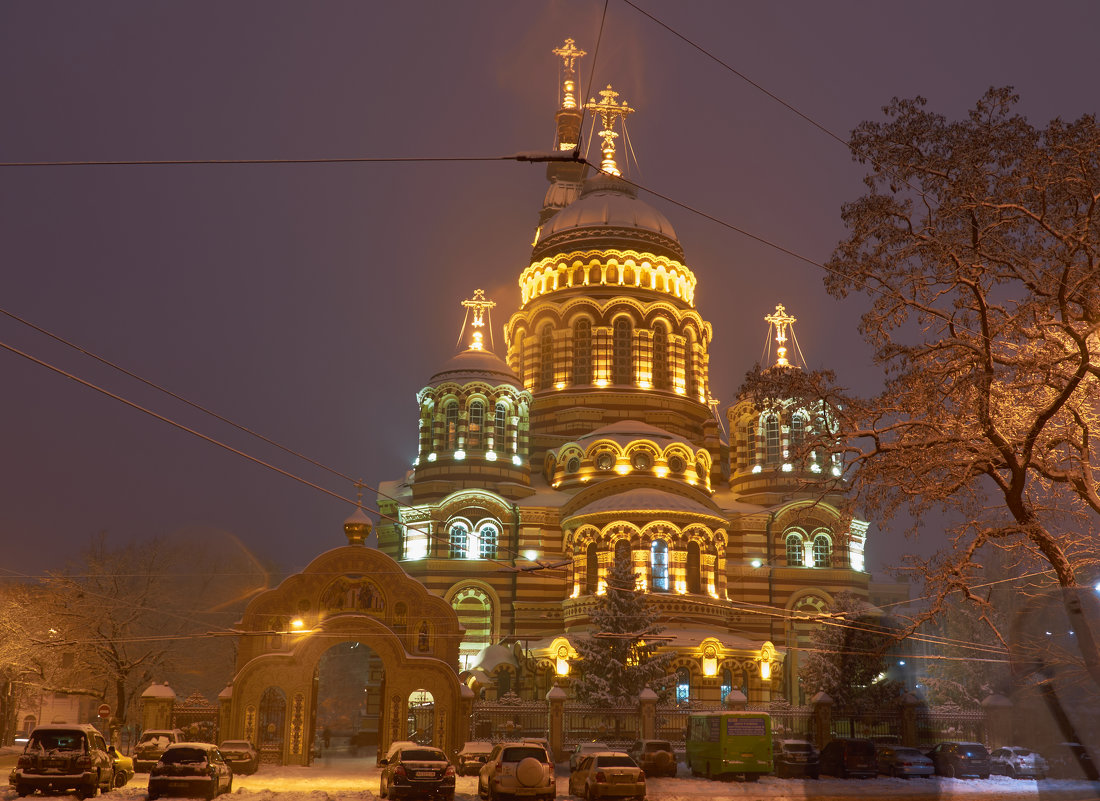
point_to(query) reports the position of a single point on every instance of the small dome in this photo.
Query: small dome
(358, 526)
(155, 690)
(493, 656)
(608, 214)
(475, 365)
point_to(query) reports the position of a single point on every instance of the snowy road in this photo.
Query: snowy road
(357, 780)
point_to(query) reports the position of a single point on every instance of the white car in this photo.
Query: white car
(586, 749)
(1018, 763)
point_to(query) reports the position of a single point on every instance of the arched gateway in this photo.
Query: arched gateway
(350, 595)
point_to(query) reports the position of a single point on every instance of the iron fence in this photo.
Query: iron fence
(950, 723)
(497, 722)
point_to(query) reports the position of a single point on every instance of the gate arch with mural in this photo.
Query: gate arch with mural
(349, 595)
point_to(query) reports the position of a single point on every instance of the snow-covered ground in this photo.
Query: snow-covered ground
(357, 780)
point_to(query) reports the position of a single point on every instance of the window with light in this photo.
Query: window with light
(822, 551)
(487, 540)
(450, 415)
(772, 443)
(459, 536)
(658, 565)
(683, 685)
(500, 427)
(475, 429)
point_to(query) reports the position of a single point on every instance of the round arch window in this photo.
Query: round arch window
(676, 464)
(641, 460)
(700, 469)
(605, 461)
(573, 465)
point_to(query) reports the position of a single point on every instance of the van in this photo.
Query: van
(727, 745)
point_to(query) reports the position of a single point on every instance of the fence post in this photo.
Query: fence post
(466, 713)
(736, 700)
(555, 728)
(823, 718)
(647, 710)
(997, 714)
(909, 704)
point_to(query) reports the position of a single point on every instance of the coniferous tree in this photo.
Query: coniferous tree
(617, 660)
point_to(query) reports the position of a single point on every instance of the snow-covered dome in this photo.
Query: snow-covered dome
(608, 213)
(155, 690)
(492, 656)
(475, 365)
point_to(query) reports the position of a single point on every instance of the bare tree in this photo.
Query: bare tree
(977, 246)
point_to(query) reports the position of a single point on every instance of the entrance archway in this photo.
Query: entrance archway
(347, 700)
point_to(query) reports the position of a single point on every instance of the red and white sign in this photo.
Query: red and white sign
(104, 711)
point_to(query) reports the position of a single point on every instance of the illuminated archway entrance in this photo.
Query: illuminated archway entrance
(366, 645)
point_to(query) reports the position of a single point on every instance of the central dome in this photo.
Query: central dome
(608, 214)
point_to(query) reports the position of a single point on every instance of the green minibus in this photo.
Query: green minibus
(727, 745)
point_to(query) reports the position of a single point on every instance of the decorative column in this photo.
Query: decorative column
(556, 723)
(647, 710)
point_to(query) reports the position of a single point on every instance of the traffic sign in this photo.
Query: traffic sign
(104, 711)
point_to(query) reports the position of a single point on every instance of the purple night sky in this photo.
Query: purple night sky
(311, 302)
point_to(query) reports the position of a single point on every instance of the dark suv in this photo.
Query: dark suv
(847, 758)
(62, 757)
(961, 760)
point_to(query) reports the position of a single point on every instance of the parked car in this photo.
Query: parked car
(608, 775)
(517, 770)
(469, 760)
(655, 757)
(192, 770)
(1072, 761)
(417, 771)
(1018, 763)
(151, 745)
(122, 765)
(961, 760)
(240, 755)
(585, 749)
(848, 758)
(394, 747)
(903, 762)
(63, 756)
(795, 758)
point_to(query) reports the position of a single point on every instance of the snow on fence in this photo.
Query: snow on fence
(950, 723)
(515, 720)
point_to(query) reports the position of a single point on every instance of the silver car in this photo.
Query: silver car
(1018, 763)
(903, 762)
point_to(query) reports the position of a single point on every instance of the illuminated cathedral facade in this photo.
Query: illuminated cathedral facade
(593, 436)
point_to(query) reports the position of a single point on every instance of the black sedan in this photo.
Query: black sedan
(417, 772)
(193, 770)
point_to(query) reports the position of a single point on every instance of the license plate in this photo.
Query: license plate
(425, 774)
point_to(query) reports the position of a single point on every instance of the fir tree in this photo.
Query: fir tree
(617, 661)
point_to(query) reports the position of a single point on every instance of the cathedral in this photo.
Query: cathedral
(592, 436)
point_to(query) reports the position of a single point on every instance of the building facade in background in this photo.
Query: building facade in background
(593, 436)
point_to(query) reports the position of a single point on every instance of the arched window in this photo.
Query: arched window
(771, 440)
(823, 551)
(689, 368)
(475, 429)
(794, 550)
(694, 569)
(798, 436)
(475, 614)
(622, 352)
(500, 427)
(450, 425)
(460, 540)
(591, 569)
(660, 359)
(727, 684)
(487, 541)
(658, 565)
(546, 358)
(683, 685)
(582, 351)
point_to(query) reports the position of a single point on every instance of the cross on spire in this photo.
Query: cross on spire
(780, 321)
(479, 305)
(569, 53)
(609, 110)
